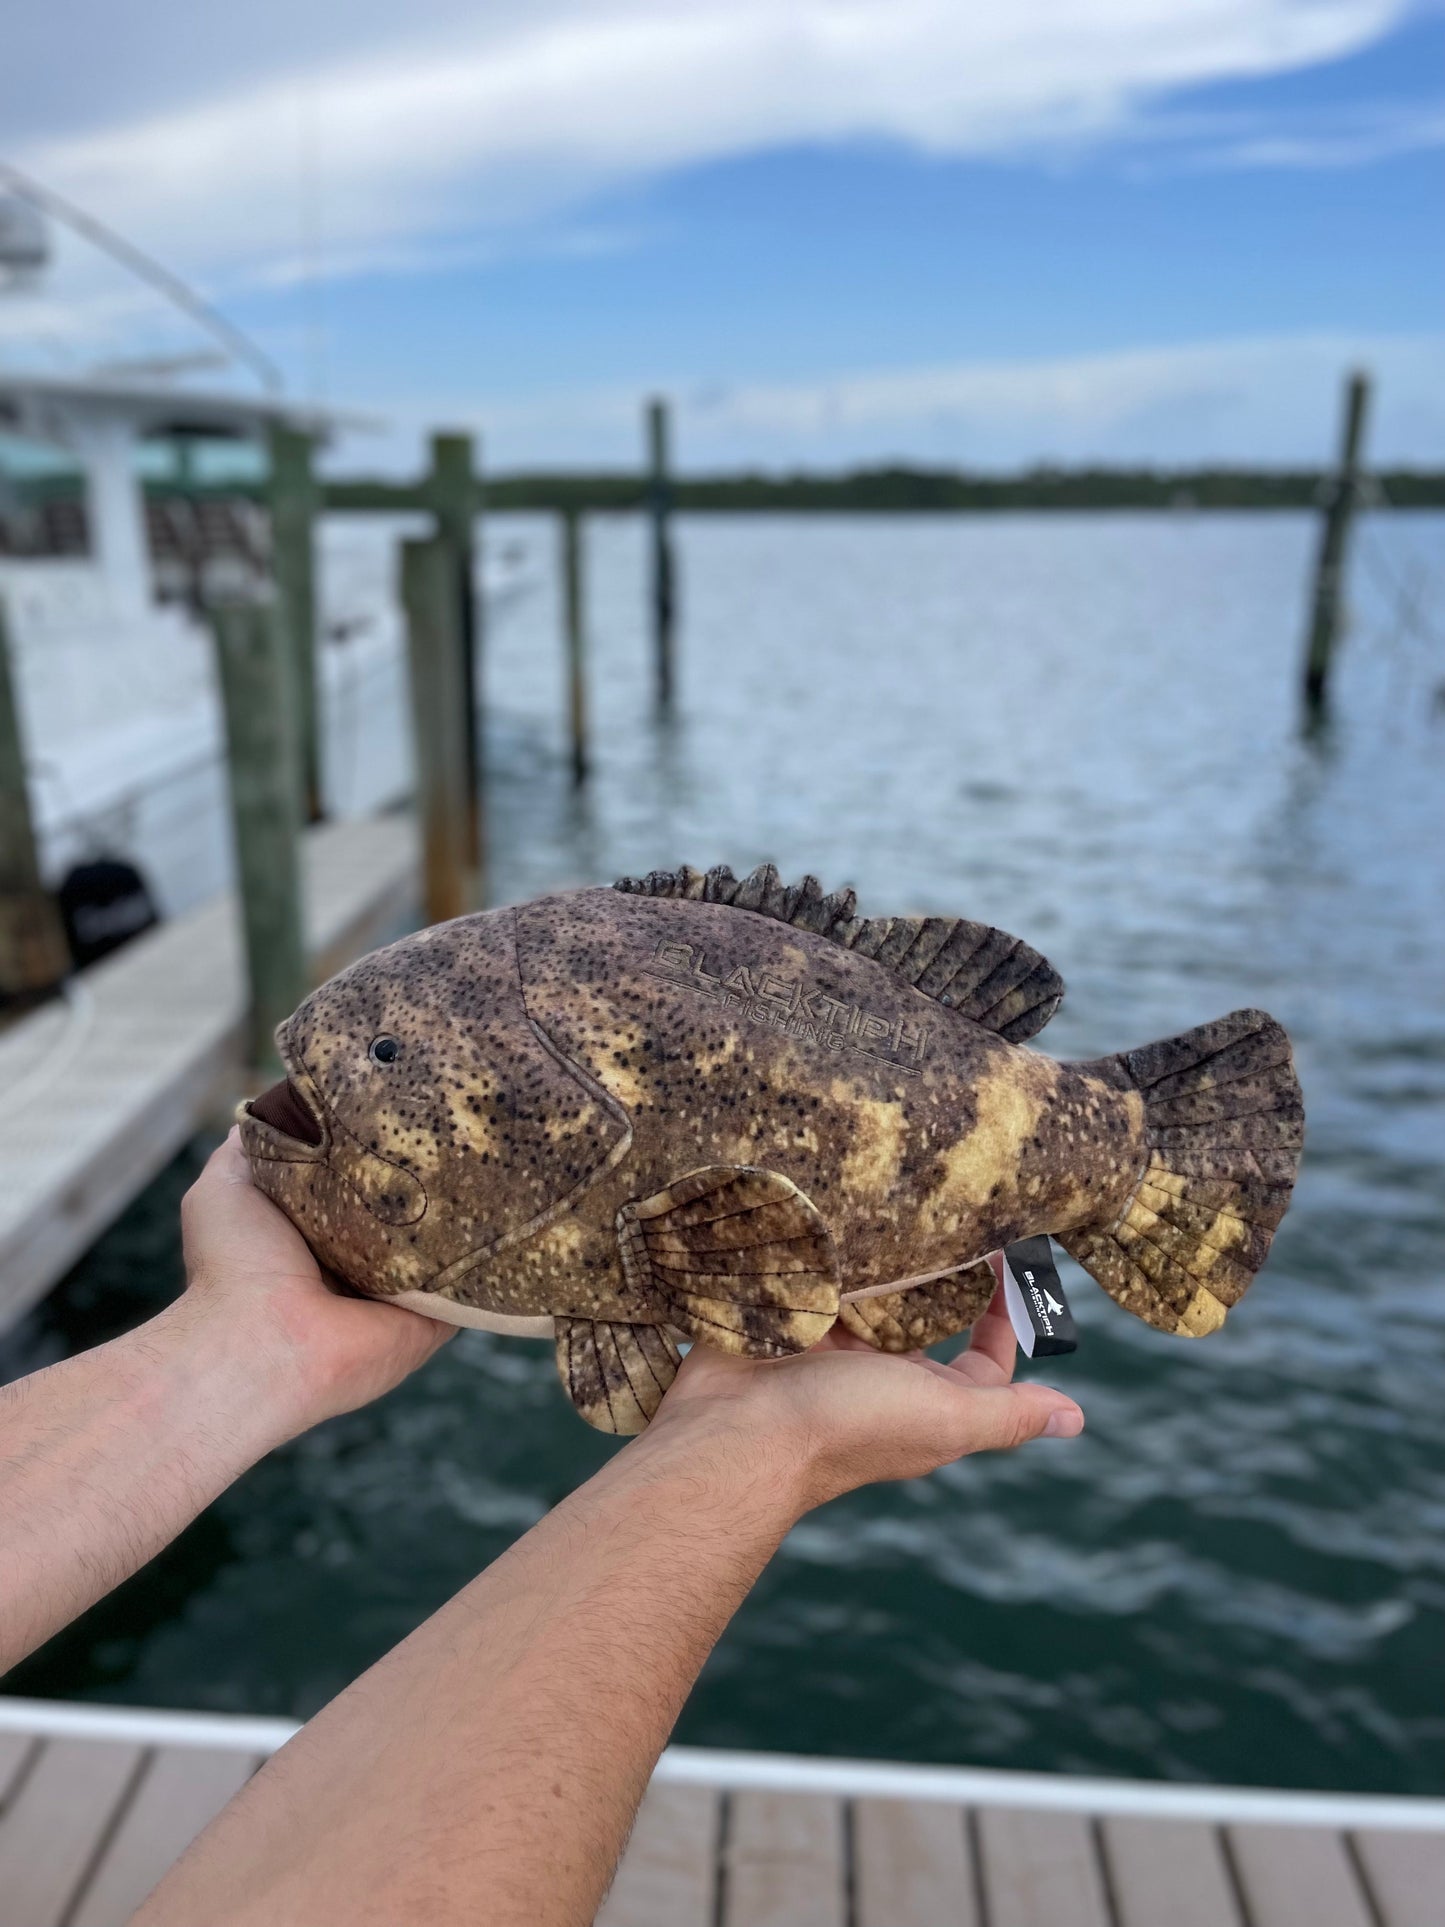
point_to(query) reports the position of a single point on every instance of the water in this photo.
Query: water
(1081, 729)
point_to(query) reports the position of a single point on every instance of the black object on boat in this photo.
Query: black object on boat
(104, 902)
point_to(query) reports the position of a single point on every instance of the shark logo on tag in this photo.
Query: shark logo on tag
(1037, 1308)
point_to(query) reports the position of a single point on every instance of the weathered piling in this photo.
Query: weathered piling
(256, 687)
(574, 622)
(34, 956)
(294, 501)
(452, 491)
(1327, 606)
(440, 726)
(659, 508)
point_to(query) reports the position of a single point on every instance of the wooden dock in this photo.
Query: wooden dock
(103, 1088)
(96, 1803)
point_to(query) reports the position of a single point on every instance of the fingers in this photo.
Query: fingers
(414, 1342)
(998, 1418)
(227, 1222)
(992, 1343)
(227, 1164)
(838, 1338)
(214, 1190)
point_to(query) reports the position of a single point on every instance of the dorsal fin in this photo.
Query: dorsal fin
(984, 974)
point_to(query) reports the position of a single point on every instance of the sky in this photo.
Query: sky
(833, 231)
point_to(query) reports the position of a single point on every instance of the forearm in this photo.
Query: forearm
(106, 1457)
(490, 1766)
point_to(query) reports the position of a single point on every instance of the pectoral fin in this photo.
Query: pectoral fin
(615, 1375)
(735, 1257)
(924, 1314)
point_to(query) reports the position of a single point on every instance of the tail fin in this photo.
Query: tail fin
(1224, 1122)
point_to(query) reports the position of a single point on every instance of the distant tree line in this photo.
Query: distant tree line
(892, 488)
(900, 489)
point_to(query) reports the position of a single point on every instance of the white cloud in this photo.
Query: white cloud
(43, 316)
(1270, 400)
(1354, 144)
(477, 126)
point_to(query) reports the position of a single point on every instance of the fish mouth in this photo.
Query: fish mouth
(284, 1109)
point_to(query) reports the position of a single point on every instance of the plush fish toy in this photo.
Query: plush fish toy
(735, 1112)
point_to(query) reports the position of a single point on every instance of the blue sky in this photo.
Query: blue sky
(1107, 231)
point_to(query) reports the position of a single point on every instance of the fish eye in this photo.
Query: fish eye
(384, 1050)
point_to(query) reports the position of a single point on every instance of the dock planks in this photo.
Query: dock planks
(913, 1865)
(72, 1794)
(1040, 1867)
(105, 1089)
(783, 1862)
(178, 1791)
(96, 1803)
(1167, 1870)
(1405, 1876)
(668, 1877)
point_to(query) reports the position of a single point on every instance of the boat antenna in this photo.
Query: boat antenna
(149, 270)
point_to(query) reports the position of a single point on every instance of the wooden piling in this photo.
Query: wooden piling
(439, 721)
(659, 504)
(1341, 503)
(575, 629)
(294, 502)
(452, 490)
(256, 686)
(34, 956)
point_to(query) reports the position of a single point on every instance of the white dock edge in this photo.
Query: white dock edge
(794, 1773)
(103, 1089)
(1046, 1792)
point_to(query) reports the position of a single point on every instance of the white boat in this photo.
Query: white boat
(114, 675)
(116, 687)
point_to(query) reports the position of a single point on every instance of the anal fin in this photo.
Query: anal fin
(923, 1314)
(735, 1257)
(615, 1374)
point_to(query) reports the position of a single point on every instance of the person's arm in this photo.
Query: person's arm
(489, 1768)
(104, 1458)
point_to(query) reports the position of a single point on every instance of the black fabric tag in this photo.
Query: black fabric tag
(1037, 1307)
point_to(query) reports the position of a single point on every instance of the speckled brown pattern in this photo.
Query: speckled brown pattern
(925, 1313)
(615, 1374)
(736, 1257)
(654, 1108)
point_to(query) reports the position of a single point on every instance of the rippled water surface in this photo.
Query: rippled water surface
(1082, 729)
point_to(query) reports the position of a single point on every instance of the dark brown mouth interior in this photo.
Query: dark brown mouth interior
(286, 1110)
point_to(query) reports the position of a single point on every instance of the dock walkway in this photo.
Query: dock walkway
(103, 1088)
(96, 1803)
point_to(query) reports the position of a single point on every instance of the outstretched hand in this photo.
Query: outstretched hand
(844, 1415)
(839, 1416)
(248, 1266)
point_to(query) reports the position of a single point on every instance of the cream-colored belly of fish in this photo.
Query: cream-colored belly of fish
(435, 1304)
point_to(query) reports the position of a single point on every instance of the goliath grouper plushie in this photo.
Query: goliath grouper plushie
(734, 1112)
